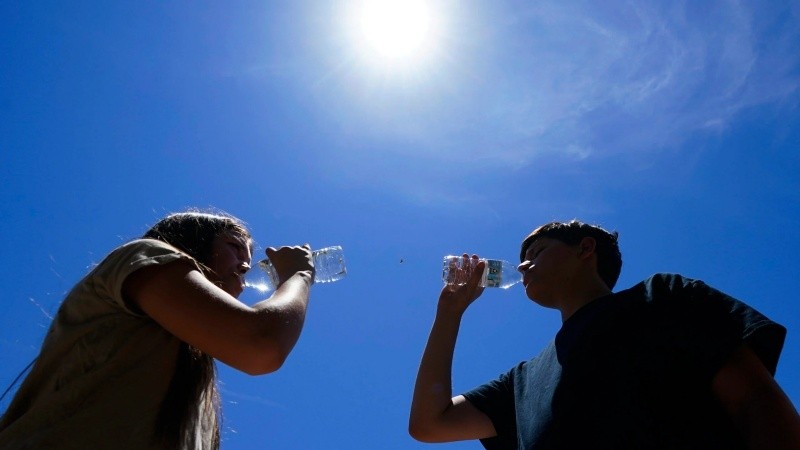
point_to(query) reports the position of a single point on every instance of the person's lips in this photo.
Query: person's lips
(526, 277)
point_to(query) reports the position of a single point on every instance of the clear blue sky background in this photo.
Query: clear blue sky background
(675, 123)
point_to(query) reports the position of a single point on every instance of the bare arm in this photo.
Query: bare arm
(436, 416)
(755, 402)
(255, 339)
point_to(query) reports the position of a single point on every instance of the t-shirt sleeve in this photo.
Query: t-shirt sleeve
(496, 400)
(742, 323)
(108, 277)
(710, 325)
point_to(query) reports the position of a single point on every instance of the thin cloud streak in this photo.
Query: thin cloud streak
(586, 74)
(575, 81)
(665, 75)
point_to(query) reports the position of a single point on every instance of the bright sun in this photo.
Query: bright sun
(395, 30)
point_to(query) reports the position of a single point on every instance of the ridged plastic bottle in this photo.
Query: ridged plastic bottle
(496, 273)
(328, 264)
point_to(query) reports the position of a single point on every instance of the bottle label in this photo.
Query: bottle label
(494, 273)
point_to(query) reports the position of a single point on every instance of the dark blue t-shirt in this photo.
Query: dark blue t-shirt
(631, 370)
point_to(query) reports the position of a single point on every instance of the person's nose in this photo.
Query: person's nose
(523, 266)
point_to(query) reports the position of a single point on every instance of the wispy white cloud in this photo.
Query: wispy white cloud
(579, 80)
(649, 82)
(610, 77)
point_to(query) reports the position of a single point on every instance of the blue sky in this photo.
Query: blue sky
(674, 123)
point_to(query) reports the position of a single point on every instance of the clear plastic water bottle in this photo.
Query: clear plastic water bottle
(497, 273)
(328, 262)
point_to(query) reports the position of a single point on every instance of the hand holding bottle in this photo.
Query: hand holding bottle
(327, 265)
(497, 272)
(463, 277)
(286, 261)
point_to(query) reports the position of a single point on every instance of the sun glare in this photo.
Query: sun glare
(395, 29)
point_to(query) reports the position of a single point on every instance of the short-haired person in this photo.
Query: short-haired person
(128, 361)
(669, 363)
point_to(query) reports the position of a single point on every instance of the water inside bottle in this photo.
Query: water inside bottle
(329, 265)
(497, 273)
(256, 278)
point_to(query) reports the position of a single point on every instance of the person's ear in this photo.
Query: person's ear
(587, 247)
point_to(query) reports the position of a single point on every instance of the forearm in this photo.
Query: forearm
(433, 388)
(283, 315)
(290, 298)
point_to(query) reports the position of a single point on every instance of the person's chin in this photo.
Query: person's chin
(529, 292)
(236, 291)
(233, 289)
(235, 286)
(535, 297)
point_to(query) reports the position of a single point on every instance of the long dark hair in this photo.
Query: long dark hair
(192, 396)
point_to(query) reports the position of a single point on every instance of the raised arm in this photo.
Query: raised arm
(436, 416)
(755, 402)
(254, 339)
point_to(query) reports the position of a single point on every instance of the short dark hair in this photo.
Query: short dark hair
(609, 258)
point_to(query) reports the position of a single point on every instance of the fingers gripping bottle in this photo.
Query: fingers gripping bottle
(497, 273)
(328, 264)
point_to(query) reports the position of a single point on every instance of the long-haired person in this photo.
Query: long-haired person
(128, 361)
